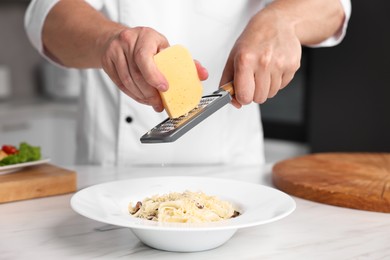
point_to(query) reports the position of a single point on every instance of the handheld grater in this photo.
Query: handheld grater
(171, 129)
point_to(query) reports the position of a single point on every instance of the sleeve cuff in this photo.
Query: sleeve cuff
(34, 20)
(339, 36)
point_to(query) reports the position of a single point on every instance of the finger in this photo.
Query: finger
(115, 63)
(108, 65)
(203, 74)
(244, 84)
(109, 68)
(263, 80)
(144, 93)
(228, 72)
(227, 76)
(129, 86)
(143, 56)
(276, 81)
(148, 79)
(149, 94)
(235, 103)
(286, 79)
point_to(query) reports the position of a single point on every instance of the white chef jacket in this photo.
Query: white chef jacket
(208, 28)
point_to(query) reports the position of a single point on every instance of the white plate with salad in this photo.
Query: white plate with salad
(19, 166)
(14, 158)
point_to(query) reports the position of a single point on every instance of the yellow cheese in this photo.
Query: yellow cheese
(185, 88)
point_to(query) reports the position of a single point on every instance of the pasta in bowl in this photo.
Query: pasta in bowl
(256, 204)
(185, 207)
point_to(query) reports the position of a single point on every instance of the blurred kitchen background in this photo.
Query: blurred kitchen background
(338, 101)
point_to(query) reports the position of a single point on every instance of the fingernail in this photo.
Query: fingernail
(157, 108)
(162, 87)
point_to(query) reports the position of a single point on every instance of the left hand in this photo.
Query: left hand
(263, 60)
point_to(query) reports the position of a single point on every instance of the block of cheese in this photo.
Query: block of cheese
(185, 88)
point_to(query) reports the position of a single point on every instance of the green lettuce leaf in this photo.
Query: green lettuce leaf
(27, 153)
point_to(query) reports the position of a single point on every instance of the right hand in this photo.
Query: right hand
(128, 60)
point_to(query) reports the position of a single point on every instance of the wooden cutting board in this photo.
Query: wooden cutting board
(353, 180)
(36, 181)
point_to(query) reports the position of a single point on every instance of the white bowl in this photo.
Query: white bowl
(108, 203)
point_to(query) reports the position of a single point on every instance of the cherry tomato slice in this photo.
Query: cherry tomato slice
(9, 149)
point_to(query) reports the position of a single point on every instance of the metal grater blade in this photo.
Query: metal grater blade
(172, 128)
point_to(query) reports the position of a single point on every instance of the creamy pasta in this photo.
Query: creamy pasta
(186, 207)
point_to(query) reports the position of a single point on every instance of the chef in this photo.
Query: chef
(255, 43)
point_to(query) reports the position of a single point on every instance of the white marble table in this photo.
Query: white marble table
(48, 228)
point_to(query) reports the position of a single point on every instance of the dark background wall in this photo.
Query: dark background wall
(348, 88)
(16, 52)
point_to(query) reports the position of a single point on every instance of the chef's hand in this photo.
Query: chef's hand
(128, 60)
(263, 60)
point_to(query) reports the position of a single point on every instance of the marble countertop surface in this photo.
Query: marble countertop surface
(47, 228)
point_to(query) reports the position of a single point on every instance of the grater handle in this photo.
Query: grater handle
(228, 87)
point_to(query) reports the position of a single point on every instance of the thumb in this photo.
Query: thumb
(203, 74)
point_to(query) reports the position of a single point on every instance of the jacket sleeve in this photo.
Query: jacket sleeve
(35, 17)
(339, 36)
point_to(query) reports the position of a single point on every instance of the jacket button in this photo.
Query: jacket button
(129, 119)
